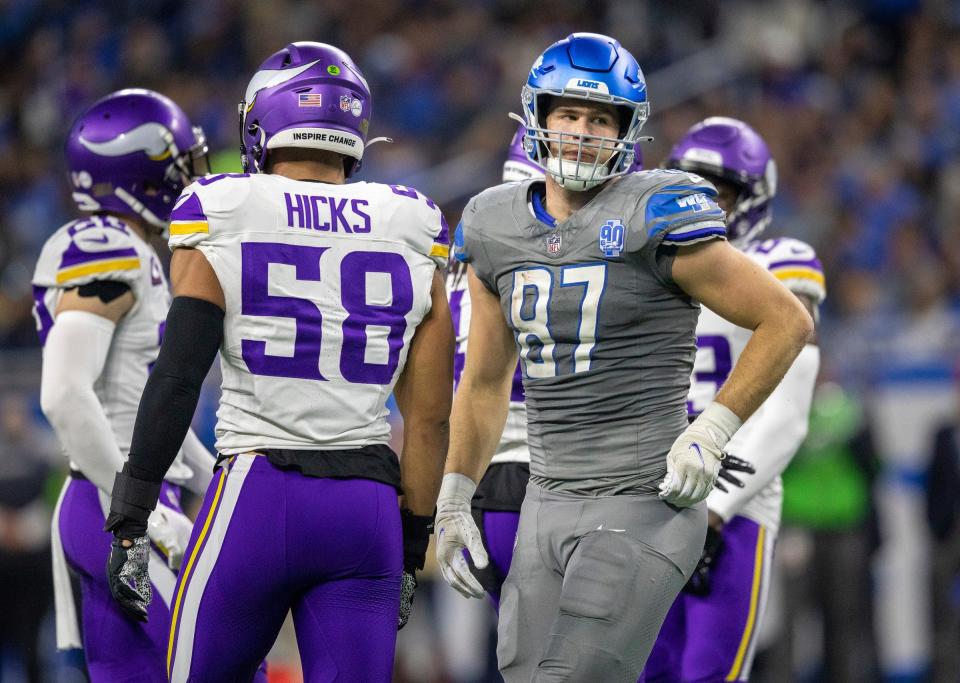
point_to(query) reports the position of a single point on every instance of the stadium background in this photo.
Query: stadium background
(860, 102)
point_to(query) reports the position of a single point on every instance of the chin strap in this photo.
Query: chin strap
(138, 208)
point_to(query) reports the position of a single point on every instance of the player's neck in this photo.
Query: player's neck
(562, 203)
(317, 171)
(138, 225)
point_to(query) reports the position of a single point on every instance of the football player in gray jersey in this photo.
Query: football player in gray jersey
(595, 276)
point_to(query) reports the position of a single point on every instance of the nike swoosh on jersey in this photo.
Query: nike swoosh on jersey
(616, 531)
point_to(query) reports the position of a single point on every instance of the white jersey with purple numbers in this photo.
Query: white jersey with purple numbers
(105, 248)
(719, 345)
(513, 442)
(324, 287)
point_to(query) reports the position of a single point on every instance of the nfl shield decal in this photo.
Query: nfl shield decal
(554, 242)
(345, 101)
(611, 238)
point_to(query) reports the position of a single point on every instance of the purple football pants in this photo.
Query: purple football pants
(269, 540)
(712, 638)
(116, 647)
(500, 534)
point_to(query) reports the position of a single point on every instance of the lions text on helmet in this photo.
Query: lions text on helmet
(583, 75)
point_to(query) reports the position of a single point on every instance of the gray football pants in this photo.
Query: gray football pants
(590, 584)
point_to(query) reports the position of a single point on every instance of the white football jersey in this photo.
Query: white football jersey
(324, 287)
(105, 248)
(719, 345)
(513, 443)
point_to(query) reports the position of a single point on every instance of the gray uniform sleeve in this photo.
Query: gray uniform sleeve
(675, 209)
(468, 247)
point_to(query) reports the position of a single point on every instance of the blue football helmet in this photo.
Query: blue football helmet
(592, 67)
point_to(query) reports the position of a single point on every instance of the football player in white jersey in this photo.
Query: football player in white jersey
(322, 297)
(100, 299)
(710, 632)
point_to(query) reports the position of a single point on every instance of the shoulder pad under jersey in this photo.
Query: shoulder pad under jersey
(674, 207)
(90, 249)
(794, 263)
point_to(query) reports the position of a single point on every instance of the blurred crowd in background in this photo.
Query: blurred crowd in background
(860, 103)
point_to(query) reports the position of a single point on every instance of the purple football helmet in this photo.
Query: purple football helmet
(132, 153)
(518, 165)
(730, 150)
(307, 95)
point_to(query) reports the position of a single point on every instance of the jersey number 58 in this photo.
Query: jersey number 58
(354, 268)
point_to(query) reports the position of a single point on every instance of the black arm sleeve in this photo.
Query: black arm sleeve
(193, 333)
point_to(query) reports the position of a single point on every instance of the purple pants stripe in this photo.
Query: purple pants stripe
(712, 638)
(330, 550)
(500, 532)
(116, 647)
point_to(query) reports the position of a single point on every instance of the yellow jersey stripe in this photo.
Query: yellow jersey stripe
(801, 273)
(752, 614)
(188, 227)
(98, 267)
(440, 250)
(175, 616)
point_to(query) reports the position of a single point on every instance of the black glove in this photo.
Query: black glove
(128, 576)
(416, 538)
(732, 463)
(699, 583)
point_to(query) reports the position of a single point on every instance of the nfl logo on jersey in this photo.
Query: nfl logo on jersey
(611, 238)
(553, 244)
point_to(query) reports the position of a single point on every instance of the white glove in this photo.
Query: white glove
(457, 531)
(694, 459)
(170, 531)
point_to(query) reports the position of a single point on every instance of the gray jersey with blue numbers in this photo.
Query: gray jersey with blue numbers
(606, 337)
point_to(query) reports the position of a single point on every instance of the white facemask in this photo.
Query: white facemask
(576, 176)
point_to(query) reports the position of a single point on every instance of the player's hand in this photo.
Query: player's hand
(128, 576)
(456, 532)
(408, 586)
(170, 531)
(700, 581)
(728, 465)
(416, 538)
(693, 462)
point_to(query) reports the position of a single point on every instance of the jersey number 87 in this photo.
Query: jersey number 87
(532, 321)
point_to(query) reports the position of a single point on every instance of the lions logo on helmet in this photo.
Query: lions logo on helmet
(592, 67)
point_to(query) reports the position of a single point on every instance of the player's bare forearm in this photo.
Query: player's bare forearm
(739, 290)
(424, 393)
(482, 399)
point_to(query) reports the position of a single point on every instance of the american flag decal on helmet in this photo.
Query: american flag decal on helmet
(310, 99)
